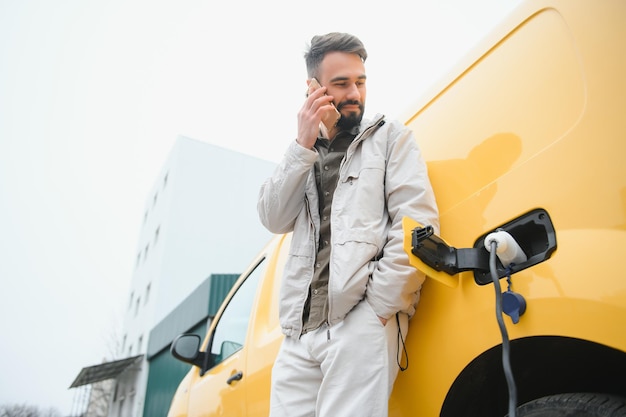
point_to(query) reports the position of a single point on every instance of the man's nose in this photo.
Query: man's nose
(353, 93)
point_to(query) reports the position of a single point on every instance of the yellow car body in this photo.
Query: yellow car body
(534, 117)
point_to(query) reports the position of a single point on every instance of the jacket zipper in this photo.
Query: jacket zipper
(360, 138)
(312, 225)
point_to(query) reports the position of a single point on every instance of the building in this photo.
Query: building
(200, 230)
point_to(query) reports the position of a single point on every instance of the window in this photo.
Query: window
(130, 301)
(156, 234)
(165, 180)
(147, 295)
(140, 344)
(137, 305)
(230, 332)
(145, 252)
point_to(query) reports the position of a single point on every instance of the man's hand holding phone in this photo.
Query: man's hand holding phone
(317, 113)
(330, 118)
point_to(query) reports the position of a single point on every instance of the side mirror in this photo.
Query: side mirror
(186, 348)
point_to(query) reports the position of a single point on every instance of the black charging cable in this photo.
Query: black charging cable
(506, 353)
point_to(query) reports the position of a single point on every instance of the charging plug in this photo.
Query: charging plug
(507, 249)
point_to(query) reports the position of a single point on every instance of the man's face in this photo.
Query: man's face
(344, 77)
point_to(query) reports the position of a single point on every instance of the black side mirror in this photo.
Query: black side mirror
(186, 348)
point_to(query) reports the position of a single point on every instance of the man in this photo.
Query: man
(348, 289)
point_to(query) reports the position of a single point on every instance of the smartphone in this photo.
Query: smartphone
(331, 118)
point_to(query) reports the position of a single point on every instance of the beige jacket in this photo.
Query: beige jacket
(382, 179)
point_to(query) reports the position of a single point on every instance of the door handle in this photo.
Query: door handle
(234, 377)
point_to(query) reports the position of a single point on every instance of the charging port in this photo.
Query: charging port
(533, 231)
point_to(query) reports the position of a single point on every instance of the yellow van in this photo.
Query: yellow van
(526, 136)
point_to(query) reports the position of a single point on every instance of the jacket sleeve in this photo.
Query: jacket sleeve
(394, 285)
(282, 195)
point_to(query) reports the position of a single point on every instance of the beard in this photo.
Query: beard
(352, 119)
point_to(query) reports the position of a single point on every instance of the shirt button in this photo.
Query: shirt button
(325, 218)
(326, 193)
(326, 168)
(317, 265)
(315, 292)
(326, 243)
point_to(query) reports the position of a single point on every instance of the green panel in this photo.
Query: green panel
(220, 287)
(164, 375)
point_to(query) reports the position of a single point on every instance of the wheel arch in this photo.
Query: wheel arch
(542, 365)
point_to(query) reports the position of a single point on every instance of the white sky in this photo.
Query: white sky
(92, 97)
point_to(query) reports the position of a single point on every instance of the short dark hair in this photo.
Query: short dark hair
(331, 42)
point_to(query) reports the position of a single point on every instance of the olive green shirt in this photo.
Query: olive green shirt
(331, 153)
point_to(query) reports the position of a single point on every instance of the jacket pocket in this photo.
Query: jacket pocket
(361, 212)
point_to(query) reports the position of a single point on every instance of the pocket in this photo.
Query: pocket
(372, 313)
(361, 199)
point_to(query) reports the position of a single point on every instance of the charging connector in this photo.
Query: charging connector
(508, 250)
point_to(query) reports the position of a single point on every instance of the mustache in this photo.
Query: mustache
(349, 103)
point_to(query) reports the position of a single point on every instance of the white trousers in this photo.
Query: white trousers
(346, 370)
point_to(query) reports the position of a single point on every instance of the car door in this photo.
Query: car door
(221, 390)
